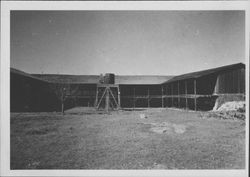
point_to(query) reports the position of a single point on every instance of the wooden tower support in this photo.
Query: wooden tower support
(119, 97)
(107, 95)
(107, 101)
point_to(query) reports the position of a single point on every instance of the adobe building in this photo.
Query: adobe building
(202, 90)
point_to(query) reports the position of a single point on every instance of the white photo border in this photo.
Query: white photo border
(7, 6)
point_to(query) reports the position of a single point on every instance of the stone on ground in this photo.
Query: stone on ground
(232, 106)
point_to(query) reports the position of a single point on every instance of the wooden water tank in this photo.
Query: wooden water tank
(109, 78)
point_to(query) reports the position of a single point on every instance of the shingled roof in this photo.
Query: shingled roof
(125, 79)
(69, 79)
(94, 79)
(198, 74)
(16, 71)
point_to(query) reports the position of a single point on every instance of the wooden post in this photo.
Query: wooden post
(172, 93)
(162, 101)
(148, 99)
(119, 97)
(62, 107)
(186, 94)
(99, 102)
(107, 100)
(116, 104)
(96, 97)
(216, 85)
(62, 99)
(178, 93)
(166, 98)
(134, 99)
(195, 100)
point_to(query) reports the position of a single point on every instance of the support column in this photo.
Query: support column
(62, 107)
(186, 94)
(195, 99)
(166, 98)
(134, 99)
(119, 97)
(172, 92)
(107, 100)
(148, 99)
(162, 101)
(63, 98)
(178, 94)
(96, 97)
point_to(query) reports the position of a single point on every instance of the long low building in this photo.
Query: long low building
(200, 90)
(197, 91)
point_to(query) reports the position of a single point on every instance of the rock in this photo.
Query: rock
(166, 127)
(232, 106)
(143, 116)
(161, 130)
(179, 128)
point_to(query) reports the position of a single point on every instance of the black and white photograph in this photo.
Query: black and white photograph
(112, 89)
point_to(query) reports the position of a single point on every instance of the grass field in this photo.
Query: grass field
(123, 140)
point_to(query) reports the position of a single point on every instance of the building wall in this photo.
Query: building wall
(182, 94)
(75, 94)
(32, 95)
(205, 85)
(230, 82)
(28, 94)
(141, 96)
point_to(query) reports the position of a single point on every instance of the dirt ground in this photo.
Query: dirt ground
(126, 139)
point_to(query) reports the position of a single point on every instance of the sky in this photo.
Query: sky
(125, 42)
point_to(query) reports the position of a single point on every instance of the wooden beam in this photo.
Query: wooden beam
(144, 96)
(119, 97)
(112, 105)
(62, 99)
(186, 94)
(162, 101)
(96, 97)
(216, 84)
(101, 98)
(134, 98)
(107, 100)
(166, 91)
(107, 85)
(195, 99)
(79, 96)
(148, 99)
(178, 94)
(189, 96)
(172, 93)
(113, 97)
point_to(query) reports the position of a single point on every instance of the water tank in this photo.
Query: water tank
(109, 78)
